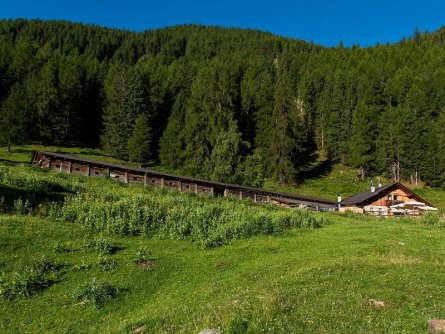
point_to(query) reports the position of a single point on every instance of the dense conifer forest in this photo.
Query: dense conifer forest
(227, 104)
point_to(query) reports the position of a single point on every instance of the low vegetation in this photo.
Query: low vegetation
(93, 255)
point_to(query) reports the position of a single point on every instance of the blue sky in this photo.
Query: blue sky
(326, 22)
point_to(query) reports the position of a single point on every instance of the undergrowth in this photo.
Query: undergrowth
(107, 206)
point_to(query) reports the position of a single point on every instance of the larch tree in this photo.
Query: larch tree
(14, 117)
(139, 144)
(362, 146)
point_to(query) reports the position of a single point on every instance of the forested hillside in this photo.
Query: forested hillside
(226, 104)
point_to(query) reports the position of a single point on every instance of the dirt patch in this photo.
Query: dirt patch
(146, 264)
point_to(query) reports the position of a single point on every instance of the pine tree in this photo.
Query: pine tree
(287, 138)
(225, 159)
(172, 143)
(14, 117)
(125, 101)
(139, 144)
(362, 142)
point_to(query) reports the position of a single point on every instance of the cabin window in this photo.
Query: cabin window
(77, 169)
(188, 187)
(153, 181)
(135, 178)
(97, 173)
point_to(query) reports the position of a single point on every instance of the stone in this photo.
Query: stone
(436, 326)
(377, 303)
(139, 330)
(210, 331)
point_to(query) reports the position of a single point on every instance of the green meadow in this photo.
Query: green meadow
(80, 255)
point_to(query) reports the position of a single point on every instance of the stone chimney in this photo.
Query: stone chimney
(372, 186)
(380, 183)
(338, 197)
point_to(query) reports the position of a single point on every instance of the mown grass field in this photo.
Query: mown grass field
(285, 280)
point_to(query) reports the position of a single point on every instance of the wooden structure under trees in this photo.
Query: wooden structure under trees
(125, 174)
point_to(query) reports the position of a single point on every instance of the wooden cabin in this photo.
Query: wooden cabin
(391, 200)
(125, 174)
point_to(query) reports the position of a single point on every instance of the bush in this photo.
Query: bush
(102, 245)
(27, 281)
(430, 218)
(3, 206)
(22, 208)
(95, 293)
(105, 263)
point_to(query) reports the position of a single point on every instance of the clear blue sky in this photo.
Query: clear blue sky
(327, 22)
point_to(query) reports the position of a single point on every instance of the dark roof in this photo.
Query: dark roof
(365, 197)
(220, 185)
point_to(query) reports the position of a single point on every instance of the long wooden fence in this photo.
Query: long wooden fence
(125, 174)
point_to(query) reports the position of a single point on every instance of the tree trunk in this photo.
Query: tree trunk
(362, 170)
(9, 146)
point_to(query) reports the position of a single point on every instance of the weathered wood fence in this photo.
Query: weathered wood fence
(125, 174)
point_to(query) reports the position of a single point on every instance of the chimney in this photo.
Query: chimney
(338, 199)
(372, 186)
(380, 183)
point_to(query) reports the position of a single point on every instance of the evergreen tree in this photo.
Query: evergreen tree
(14, 117)
(139, 144)
(125, 101)
(225, 159)
(363, 152)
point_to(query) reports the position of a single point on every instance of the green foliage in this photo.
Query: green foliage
(105, 263)
(22, 207)
(3, 205)
(72, 83)
(102, 245)
(139, 144)
(27, 281)
(430, 218)
(95, 293)
(225, 161)
(362, 141)
(125, 102)
(15, 117)
(35, 181)
(181, 216)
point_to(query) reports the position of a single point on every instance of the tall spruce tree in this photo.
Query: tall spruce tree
(224, 164)
(125, 101)
(139, 144)
(15, 119)
(363, 153)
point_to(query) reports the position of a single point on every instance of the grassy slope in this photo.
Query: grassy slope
(317, 281)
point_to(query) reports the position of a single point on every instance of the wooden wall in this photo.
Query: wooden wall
(134, 176)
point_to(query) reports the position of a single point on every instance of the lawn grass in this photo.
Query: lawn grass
(299, 281)
(316, 281)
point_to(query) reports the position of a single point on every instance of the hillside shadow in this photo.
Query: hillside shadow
(35, 197)
(315, 168)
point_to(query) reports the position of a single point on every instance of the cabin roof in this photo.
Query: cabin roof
(364, 197)
(221, 185)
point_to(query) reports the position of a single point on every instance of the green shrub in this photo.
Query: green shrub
(95, 293)
(102, 245)
(22, 208)
(105, 263)
(27, 281)
(3, 206)
(430, 218)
